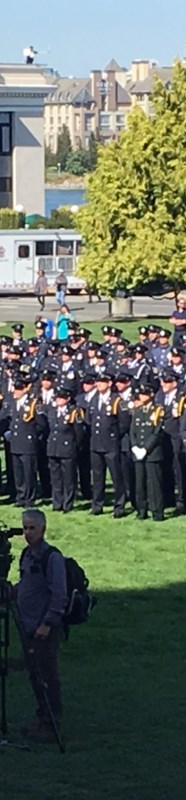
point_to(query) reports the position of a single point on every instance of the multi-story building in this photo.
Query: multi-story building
(101, 102)
(23, 89)
(98, 103)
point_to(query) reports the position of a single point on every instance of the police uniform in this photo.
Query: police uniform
(173, 404)
(65, 428)
(146, 443)
(105, 450)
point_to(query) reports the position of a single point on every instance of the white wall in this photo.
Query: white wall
(28, 160)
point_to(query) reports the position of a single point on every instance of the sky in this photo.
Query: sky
(81, 35)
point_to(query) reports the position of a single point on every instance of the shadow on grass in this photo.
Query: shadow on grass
(125, 704)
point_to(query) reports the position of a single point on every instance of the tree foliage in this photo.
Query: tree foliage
(64, 147)
(134, 224)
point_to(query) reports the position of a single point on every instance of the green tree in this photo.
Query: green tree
(64, 147)
(134, 224)
(50, 157)
(93, 152)
(78, 162)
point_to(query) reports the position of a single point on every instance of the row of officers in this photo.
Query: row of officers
(71, 410)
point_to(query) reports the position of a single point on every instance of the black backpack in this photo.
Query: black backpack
(80, 600)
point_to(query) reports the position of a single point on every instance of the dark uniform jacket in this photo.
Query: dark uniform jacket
(23, 431)
(65, 431)
(172, 412)
(105, 435)
(146, 430)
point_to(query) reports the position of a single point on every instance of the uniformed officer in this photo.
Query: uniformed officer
(146, 443)
(105, 446)
(123, 385)
(46, 394)
(161, 353)
(84, 400)
(143, 334)
(65, 429)
(171, 397)
(22, 416)
(177, 363)
(17, 333)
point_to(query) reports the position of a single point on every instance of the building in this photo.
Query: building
(23, 90)
(98, 103)
(101, 102)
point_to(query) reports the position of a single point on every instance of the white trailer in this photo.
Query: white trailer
(23, 252)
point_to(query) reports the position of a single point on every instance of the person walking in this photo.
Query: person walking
(61, 287)
(41, 288)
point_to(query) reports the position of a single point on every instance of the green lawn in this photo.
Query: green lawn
(123, 673)
(129, 328)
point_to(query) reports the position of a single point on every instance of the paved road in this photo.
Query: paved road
(25, 309)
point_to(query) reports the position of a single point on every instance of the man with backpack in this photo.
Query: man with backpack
(41, 597)
(51, 595)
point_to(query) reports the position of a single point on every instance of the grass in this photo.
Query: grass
(129, 328)
(123, 673)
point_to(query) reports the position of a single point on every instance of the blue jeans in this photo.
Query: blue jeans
(60, 296)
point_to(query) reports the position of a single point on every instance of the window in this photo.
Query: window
(23, 251)
(88, 122)
(44, 248)
(5, 134)
(64, 248)
(105, 121)
(5, 184)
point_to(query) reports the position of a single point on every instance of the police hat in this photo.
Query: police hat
(105, 378)
(5, 339)
(153, 328)
(169, 375)
(54, 345)
(84, 332)
(143, 330)
(89, 377)
(40, 325)
(122, 340)
(145, 388)
(116, 331)
(106, 329)
(92, 345)
(73, 325)
(66, 350)
(48, 374)
(139, 348)
(63, 390)
(101, 354)
(33, 342)
(177, 351)
(20, 381)
(18, 327)
(164, 332)
(123, 376)
(15, 349)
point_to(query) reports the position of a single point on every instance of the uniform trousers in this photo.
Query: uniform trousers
(63, 481)
(100, 461)
(43, 469)
(128, 472)
(25, 476)
(84, 467)
(149, 489)
(46, 653)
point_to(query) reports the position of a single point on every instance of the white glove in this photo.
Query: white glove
(141, 453)
(135, 451)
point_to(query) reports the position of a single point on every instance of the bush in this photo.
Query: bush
(10, 219)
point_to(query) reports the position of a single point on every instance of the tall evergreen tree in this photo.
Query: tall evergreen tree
(64, 147)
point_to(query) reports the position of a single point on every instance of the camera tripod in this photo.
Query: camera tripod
(6, 605)
(4, 645)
